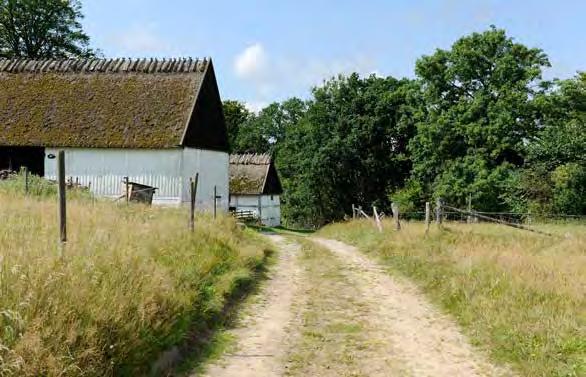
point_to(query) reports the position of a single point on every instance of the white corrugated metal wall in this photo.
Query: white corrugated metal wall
(168, 170)
(269, 205)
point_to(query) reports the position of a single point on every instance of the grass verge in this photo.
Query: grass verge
(329, 335)
(129, 285)
(518, 295)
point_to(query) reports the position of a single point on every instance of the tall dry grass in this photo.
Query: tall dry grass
(519, 295)
(130, 283)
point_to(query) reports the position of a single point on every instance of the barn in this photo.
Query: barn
(157, 122)
(255, 186)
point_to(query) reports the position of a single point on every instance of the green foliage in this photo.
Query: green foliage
(351, 147)
(263, 132)
(569, 189)
(479, 112)
(235, 114)
(479, 121)
(38, 29)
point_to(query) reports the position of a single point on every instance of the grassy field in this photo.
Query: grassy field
(130, 283)
(518, 295)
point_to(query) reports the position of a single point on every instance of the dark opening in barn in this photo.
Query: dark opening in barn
(15, 158)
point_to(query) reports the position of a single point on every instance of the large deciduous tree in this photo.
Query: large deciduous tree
(39, 29)
(351, 147)
(480, 114)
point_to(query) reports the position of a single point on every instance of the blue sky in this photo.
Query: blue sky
(265, 51)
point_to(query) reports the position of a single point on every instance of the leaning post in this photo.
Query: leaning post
(62, 196)
(377, 221)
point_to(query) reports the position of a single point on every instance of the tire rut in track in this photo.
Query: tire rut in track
(427, 342)
(261, 335)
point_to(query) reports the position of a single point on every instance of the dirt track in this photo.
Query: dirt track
(335, 312)
(261, 334)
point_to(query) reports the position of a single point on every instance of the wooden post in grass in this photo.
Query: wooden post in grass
(377, 221)
(438, 212)
(193, 192)
(216, 197)
(353, 212)
(25, 180)
(469, 218)
(427, 216)
(395, 209)
(62, 198)
(127, 189)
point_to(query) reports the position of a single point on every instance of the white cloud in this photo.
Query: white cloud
(256, 107)
(251, 63)
(272, 78)
(141, 39)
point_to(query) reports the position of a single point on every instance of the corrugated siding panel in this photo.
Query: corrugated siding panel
(104, 170)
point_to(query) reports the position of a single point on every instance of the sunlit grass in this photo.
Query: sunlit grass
(130, 283)
(517, 294)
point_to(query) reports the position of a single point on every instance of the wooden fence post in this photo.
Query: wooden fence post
(353, 212)
(377, 221)
(395, 209)
(438, 212)
(427, 216)
(127, 188)
(193, 192)
(469, 218)
(62, 198)
(25, 180)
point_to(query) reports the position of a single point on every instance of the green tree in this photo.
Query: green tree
(562, 135)
(39, 29)
(479, 113)
(350, 147)
(264, 132)
(235, 114)
(553, 178)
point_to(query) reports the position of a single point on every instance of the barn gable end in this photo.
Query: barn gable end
(207, 127)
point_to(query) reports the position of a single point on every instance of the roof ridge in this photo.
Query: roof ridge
(101, 65)
(251, 159)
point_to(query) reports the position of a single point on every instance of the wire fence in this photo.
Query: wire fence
(511, 217)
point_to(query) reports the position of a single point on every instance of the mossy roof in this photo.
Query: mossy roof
(98, 103)
(253, 174)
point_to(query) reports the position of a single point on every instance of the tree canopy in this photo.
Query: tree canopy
(39, 29)
(478, 121)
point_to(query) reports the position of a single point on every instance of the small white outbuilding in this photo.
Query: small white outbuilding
(255, 186)
(156, 122)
